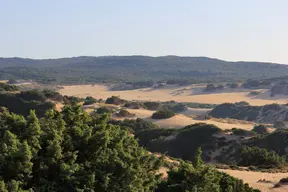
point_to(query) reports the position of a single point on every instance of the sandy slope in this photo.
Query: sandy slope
(180, 94)
(252, 179)
(180, 120)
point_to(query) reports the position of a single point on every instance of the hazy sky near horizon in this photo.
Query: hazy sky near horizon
(231, 30)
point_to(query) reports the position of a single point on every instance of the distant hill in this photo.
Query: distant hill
(136, 68)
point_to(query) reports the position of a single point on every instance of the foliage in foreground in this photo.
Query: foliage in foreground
(71, 151)
(187, 178)
(74, 151)
(197, 177)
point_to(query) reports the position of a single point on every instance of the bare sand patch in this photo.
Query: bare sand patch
(59, 106)
(252, 178)
(180, 94)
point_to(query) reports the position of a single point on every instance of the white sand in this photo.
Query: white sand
(180, 94)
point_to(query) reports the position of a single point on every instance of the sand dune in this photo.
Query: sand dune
(180, 120)
(168, 93)
(252, 179)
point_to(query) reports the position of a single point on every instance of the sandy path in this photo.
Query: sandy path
(252, 179)
(180, 94)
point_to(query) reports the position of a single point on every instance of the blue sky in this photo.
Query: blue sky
(232, 30)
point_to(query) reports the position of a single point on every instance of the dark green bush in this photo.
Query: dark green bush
(236, 111)
(17, 104)
(163, 114)
(7, 87)
(251, 84)
(114, 100)
(260, 129)
(180, 143)
(242, 132)
(124, 113)
(175, 107)
(134, 105)
(36, 95)
(89, 100)
(276, 141)
(72, 100)
(102, 110)
(260, 157)
(152, 105)
(53, 95)
(136, 125)
(255, 93)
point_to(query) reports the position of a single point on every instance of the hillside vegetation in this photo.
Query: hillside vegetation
(74, 151)
(243, 111)
(180, 70)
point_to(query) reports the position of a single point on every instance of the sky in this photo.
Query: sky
(243, 30)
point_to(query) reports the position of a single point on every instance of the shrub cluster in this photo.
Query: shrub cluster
(163, 114)
(260, 157)
(89, 100)
(114, 100)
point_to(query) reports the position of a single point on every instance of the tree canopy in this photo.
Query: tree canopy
(72, 151)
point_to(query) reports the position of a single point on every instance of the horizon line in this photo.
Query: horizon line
(138, 55)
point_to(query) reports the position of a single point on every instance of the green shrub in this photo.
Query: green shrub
(259, 157)
(276, 141)
(136, 125)
(72, 100)
(124, 113)
(7, 87)
(200, 105)
(255, 92)
(260, 129)
(251, 84)
(242, 132)
(12, 81)
(114, 100)
(89, 100)
(36, 95)
(53, 95)
(180, 143)
(102, 110)
(152, 105)
(175, 107)
(236, 111)
(163, 114)
(22, 103)
(202, 179)
(134, 105)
